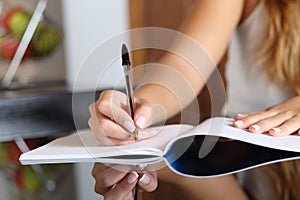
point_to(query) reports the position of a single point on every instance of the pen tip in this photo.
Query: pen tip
(125, 55)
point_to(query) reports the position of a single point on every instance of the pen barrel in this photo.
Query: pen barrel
(129, 88)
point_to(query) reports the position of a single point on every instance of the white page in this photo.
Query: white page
(222, 127)
(84, 147)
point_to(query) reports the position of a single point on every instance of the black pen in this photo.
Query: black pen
(129, 88)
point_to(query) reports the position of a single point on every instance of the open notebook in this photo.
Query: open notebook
(199, 151)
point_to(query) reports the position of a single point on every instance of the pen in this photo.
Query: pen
(129, 88)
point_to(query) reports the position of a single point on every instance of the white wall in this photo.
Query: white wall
(88, 24)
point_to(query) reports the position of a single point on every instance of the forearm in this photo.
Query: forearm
(171, 85)
(192, 58)
(225, 187)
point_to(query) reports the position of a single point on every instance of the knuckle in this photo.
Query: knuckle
(98, 189)
(106, 95)
(263, 124)
(118, 118)
(153, 187)
(146, 104)
(104, 180)
(103, 106)
(103, 125)
(92, 107)
(289, 112)
(95, 172)
(123, 187)
(90, 122)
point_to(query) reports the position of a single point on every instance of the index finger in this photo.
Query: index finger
(116, 113)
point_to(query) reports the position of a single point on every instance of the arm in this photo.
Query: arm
(210, 24)
(216, 188)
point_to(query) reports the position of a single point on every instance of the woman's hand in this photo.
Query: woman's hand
(279, 120)
(118, 182)
(111, 122)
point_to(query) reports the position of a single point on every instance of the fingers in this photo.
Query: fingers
(105, 128)
(123, 189)
(113, 106)
(261, 122)
(148, 181)
(290, 126)
(117, 182)
(106, 177)
(142, 114)
(276, 124)
(111, 122)
(251, 119)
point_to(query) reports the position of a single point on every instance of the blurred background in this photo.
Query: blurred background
(36, 101)
(69, 31)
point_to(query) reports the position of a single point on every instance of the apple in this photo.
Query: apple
(9, 46)
(45, 41)
(18, 177)
(18, 23)
(30, 181)
(13, 153)
(2, 33)
(6, 17)
(4, 160)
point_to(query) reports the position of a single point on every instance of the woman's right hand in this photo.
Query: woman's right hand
(111, 122)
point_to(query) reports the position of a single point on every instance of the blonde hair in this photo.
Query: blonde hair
(281, 49)
(285, 176)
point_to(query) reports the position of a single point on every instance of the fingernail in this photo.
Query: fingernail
(238, 123)
(129, 126)
(141, 121)
(145, 179)
(142, 166)
(241, 115)
(146, 133)
(132, 177)
(255, 127)
(276, 130)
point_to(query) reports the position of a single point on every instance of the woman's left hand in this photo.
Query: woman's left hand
(279, 120)
(118, 181)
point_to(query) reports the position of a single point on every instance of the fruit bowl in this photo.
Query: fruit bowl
(14, 22)
(43, 60)
(29, 182)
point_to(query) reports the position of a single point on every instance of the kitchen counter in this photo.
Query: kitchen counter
(42, 112)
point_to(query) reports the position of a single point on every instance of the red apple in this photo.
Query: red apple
(8, 47)
(18, 177)
(6, 17)
(13, 153)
